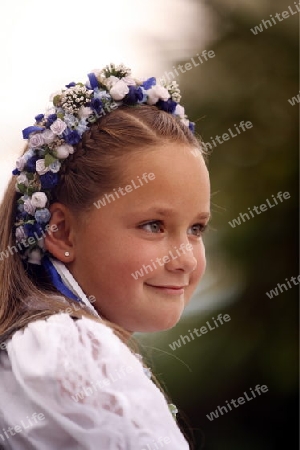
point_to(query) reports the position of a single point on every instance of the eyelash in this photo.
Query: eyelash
(202, 227)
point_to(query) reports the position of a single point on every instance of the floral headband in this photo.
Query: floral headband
(53, 137)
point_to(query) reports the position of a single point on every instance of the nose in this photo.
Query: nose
(182, 258)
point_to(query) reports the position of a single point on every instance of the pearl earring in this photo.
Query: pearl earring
(67, 254)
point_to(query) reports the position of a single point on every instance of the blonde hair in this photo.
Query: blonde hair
(96, 167)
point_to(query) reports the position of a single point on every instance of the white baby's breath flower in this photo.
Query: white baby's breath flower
(157, 92)
(36, 140)
(58, 127)
(40, 167)
(48, 136)
(119, 90)
(39, 200)
(63, 151)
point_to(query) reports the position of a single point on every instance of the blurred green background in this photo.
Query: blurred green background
(251, 78)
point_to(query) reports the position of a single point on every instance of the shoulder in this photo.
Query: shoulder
(80, 376)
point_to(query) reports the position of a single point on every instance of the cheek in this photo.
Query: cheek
(201, 263)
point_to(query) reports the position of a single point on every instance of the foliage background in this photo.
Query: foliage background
(250, 78)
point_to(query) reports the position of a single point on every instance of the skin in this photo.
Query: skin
(117, 240)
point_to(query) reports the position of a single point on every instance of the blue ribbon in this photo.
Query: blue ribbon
(93, 80)
(27, 131)
(56, 279)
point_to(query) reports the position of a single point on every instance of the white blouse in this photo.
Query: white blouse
(73, 384)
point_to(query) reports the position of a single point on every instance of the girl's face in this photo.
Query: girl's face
(141, 252)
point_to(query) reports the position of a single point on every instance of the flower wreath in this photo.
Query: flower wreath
(53, 137)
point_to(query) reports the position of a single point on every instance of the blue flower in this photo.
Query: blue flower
(72, 137)
(39, 117)
(16, 172)
(169, 106)
(42, 215)
(49, 180)
(149, 83)
(70, 84)
(70, 120)
(50, 119)
(96, 105)
(82, 126)
(30, 164)
(192, 127)
(27, 131)
(33, 230)
(134, 95)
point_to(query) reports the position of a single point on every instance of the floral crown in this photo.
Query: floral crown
(53, 137)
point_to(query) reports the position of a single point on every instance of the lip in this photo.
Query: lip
(172, 290)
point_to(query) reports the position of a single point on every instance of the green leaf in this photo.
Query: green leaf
(22, 188)
(49, 159)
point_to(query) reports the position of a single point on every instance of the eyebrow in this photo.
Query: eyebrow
(169, 212)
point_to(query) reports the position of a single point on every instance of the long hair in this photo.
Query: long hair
(96, 167)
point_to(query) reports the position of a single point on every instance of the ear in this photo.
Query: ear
(60, 243)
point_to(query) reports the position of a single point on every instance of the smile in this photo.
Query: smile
(171, 290)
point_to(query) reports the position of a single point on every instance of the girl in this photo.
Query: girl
(101, 237)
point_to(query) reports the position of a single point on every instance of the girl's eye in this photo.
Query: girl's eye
(154, 226)
(198, 229)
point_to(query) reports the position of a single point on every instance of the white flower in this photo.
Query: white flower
(129, 81)
(48, 136)
(20, 233)
(22, 179)
(40, 167)
(85, 111)
(36, 140)
(35, 256)
(119, 90)
(179, 111)
(58, 127)
(20, 163)
(156, 93)
(63, 151)
(185, 121)
(111, 81)
(39, 199)
(28, 207)
(55, 166)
